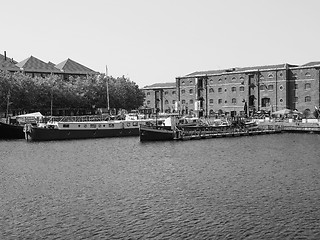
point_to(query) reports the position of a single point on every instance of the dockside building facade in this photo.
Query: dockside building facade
(243, 91)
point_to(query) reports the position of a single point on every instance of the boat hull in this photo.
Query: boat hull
(10, 131)
(47, 134)
(152, 133)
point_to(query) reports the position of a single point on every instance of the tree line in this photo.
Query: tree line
(21, 93)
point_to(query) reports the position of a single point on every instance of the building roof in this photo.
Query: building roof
(7, 64)
(310, 64)
(254, 68)
(33, 64)
(71, 67)
(237, 69)
(161, 85)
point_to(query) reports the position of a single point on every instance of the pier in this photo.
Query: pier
(196, 135)
(292, 126)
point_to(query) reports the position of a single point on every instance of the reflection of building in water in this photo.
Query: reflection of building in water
(238, 90)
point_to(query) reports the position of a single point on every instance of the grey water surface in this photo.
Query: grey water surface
(257, 187)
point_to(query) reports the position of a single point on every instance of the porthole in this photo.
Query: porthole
(281, 87)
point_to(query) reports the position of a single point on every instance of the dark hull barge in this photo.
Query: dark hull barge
(159, 133)
(11, 131)
(82, 130)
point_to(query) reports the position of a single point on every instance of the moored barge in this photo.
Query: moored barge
(202, 131)
(83, 129)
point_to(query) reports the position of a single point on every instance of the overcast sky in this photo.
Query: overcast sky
(153, 41)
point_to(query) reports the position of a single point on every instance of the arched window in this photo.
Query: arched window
(233, 89)
(211, 101)
(173, 92)
(211, 81)
(183, 91)
(307, 99)
(308, 74)
(220, 89)
(211, 90)
(191, 91)
(166, 93)
(219, 101)
(182, 83)
(233, 79)
(241, 89)
(234, 101)
(183, 101)
(270, 75)
(166, 102)
(148, 102)
(148, 93)
(191, 101)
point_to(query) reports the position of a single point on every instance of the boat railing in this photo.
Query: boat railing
(88, 118)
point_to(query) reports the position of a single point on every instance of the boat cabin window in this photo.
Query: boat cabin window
(111, 125)
(65, 125)
(135, 124)
(93, 125)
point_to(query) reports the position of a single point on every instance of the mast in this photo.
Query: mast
(107, 83)
(8, 103)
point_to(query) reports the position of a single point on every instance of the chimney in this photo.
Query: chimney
(5, 55)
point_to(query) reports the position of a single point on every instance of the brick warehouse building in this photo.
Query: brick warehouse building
(162, 96)
(237, 91)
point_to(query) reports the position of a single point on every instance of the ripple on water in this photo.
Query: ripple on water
(262, 187)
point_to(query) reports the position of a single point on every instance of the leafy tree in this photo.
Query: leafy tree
(41, 94)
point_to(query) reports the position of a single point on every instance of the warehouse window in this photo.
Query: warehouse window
(307, 86)
(270, 87)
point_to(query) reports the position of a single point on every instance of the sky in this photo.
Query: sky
(155, 41)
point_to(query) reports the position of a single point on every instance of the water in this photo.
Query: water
(258, 187)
